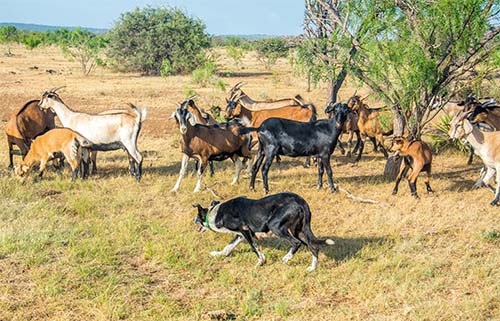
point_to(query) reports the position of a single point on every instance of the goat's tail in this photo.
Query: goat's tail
(141, 113)
(314, 115)
(309, 235)
(246, 130)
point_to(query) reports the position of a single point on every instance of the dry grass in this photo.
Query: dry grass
(110, 248)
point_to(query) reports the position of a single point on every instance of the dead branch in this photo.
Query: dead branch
(214, 193)
(361, 199)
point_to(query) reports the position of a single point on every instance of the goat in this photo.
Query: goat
(249, 118)
(237, 94)
(368, 123)
(279, 136)
(351, 129)
(72, 145)
(26, 124)
(486, 145)
(417, 157)
(107, 132)
(208, 143)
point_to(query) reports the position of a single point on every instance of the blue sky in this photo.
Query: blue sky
(273, 17)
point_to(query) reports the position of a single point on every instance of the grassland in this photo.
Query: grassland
(112, 249)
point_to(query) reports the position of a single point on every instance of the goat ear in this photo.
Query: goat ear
(191, 118)
(467, 126)
(172, 116)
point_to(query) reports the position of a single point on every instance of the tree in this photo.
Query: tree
(82, 46)
(270, 49)
(153, 39)
(8, 36)
(31, 40)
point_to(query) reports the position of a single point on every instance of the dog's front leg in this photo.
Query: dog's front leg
(248, 237)
(227, 250)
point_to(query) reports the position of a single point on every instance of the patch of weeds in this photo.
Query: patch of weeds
(282, 308)
(252, 306)
(491, 236)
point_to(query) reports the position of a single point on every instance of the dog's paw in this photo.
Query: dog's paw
(216, 253)
(262, 260)
(286, 258)
(311, 268)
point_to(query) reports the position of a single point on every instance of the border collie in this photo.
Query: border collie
(286, 215)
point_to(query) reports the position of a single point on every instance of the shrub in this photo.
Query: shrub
(158, 41)
(440, 139)
(270, 49)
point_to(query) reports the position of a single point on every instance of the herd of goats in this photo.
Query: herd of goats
(261, 131)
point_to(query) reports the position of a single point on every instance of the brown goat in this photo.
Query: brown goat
(72, 145)
(26, 124)
(417, 157)
(368, 123)
(237, 94)
(202, 117)
(208, 143)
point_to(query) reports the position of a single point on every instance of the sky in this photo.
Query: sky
(271, 17)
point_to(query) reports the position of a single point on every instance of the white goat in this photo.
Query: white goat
(106, 131)
(486, 145)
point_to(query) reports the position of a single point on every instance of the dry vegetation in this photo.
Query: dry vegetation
(110, 248)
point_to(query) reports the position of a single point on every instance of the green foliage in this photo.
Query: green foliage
(235, 53)
(143, 39)
(206, 74)
(32, 40)
(440, 139)
(492, 236)
(270, 49)
(9, 35)
(386, 120)
(82, 46)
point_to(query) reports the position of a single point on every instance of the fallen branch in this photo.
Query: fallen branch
(209, 188)
(361, 199)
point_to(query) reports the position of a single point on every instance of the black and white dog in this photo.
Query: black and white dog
(286, 215)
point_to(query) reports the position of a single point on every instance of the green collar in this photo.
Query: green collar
(206, 221)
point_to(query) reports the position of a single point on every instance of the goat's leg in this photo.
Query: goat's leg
(375, 144)
(270, 154)
(412, 179)
(487, 178)
(238, 165)
(341, 147)
(358, 141)
(361, 147)
(255, 168)
(132, 150)
(182, 172)
(380, 140)
(201, 169)
(427, 169)
(325, 159)
(212, 171)
(93, 162)
(497, 192)
(349, 143)
(471, 155)
(11, 155)
(43, 165)
(320, 173)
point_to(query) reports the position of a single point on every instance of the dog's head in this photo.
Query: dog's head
(201, 217)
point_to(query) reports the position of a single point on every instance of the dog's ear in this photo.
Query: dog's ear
(199, 207)
(214, 203)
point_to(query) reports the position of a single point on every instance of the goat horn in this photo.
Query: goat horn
(57, 88)
(192, 97)
(366, 97)
(238, 85)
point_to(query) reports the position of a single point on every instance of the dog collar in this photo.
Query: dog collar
(206, 221)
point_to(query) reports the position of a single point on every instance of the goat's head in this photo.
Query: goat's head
(398, 144)
(183, 116)
(236, 90)
(341, 112)
(233, 109)
(354, 102)
(49, 98)
(460, 126)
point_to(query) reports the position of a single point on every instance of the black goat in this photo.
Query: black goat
(279, 136)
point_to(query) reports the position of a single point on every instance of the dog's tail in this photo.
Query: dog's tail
(309, 235)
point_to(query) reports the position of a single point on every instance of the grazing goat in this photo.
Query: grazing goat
(209, 143)
(72, 145)
(23, 126)
(486, 145)
(106, 131)
(368, 123)
(237, 94)
(417, 156)
(292, 138)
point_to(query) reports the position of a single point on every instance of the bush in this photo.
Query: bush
(9, 35)
(440, 139)
(31, 40)
(269, 50)
(158, 41)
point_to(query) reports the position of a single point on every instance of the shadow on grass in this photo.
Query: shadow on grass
(229, 74)
(343, 249)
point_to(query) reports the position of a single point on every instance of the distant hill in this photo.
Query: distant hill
(35, 27)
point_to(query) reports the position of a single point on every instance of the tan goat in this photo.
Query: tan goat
(59, 140)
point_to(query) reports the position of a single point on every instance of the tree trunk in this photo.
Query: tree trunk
(335, 86)
(392, 165)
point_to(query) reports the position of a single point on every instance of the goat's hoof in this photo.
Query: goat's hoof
(415, 195)
(494, 203)
(394, 192)
(174, 190)
(320, 187)
(262, 260)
